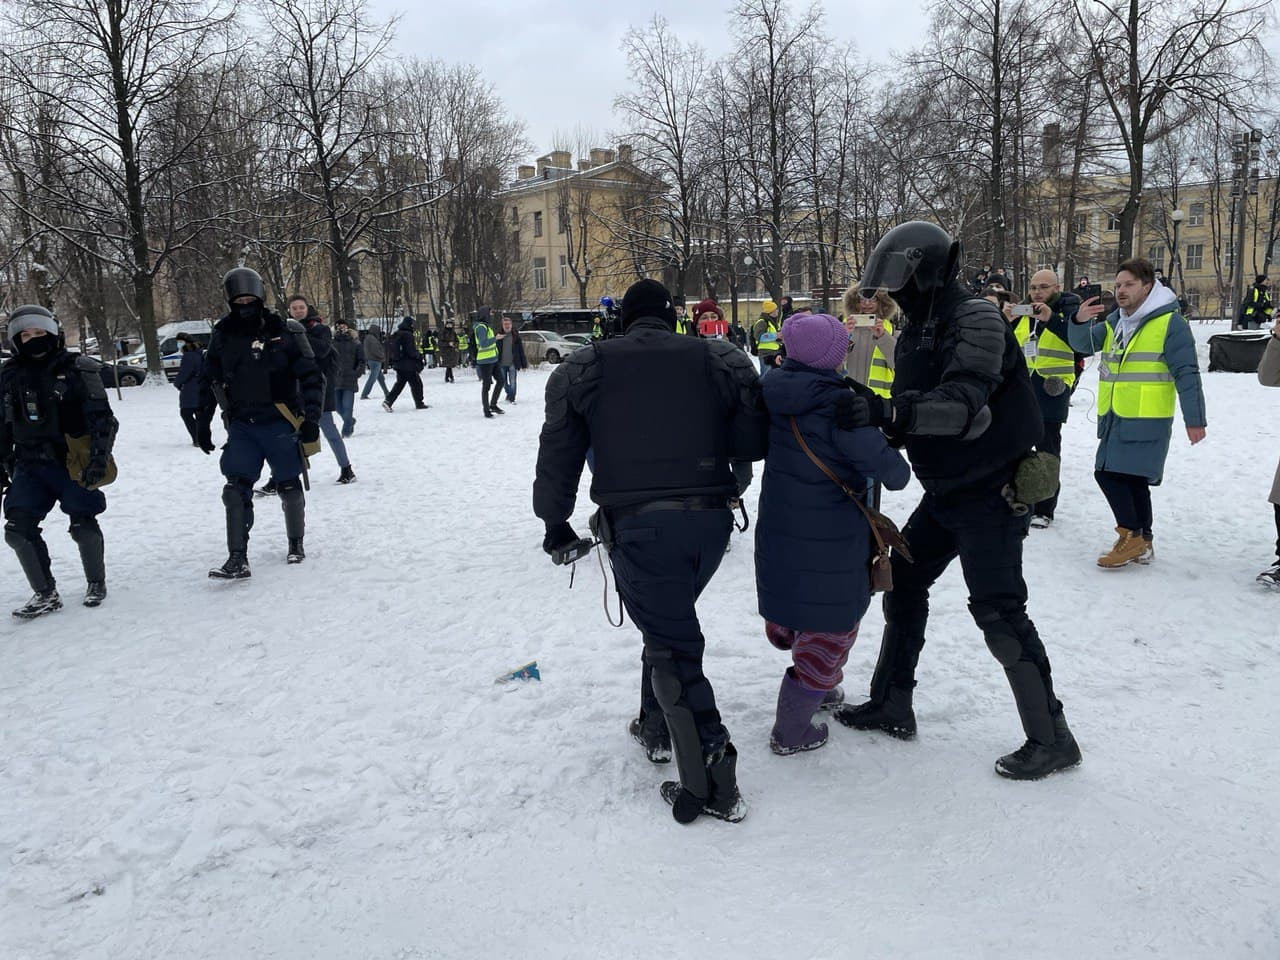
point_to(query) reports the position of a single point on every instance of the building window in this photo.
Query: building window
(515, 243)
(815, 269)
(1155, 253)
(537, 223)
(1113, 222)
(515, 214)
(1195, 215)
(1195, 256)
(355, 277)
(1193, 300)
(1081, 225)
(562, 218)
(795, 270)
(564, 270)
(539, 273)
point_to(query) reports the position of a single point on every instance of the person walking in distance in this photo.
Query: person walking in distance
(375, 355)
(672, 422)
(487, 347)
(350, 366)
(449, 356)
(511, 359)
(962, 406)
(56, 436)
(404, 358)
(260, 370)
(1148, 366)
(188, 384)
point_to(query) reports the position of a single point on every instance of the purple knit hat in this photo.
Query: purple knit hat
(817, 340)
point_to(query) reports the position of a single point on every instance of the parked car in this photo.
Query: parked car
(582, 338)
(540, 345)
(129, 374)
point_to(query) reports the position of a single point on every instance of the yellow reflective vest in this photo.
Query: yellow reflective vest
(772, 345)
(1134, 381)
(485, 334)
(880, 376)
(1053, 356)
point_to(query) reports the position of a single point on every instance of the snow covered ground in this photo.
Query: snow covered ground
(318, 764)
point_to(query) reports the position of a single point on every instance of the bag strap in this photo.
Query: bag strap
(871, 514)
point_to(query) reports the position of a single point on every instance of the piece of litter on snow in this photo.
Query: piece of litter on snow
(528, 672)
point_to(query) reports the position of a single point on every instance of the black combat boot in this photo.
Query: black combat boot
(651, 733)
(95, 593)
(1035, 761)
(347, 475)
(892, 714)
(296, 553)
(293, 503)
(236, 567)
(724, 802)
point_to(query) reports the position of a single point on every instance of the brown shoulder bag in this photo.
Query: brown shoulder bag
(885, 531)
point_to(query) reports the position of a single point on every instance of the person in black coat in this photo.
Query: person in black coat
(56, 436)
(327, 361)
(260, 369)
(963, 406)
(188, 384)
(511, 359)
(350, 367)
(673, 423)
(406, 360)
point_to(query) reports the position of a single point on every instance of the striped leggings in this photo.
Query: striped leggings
(819, 658)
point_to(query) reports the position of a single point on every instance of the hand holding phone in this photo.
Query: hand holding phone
(1023, 310)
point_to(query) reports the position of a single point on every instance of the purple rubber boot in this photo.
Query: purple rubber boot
(793, 731)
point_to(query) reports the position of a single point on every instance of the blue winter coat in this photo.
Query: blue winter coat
(188, 380)
(813, 543)
(1141, 446)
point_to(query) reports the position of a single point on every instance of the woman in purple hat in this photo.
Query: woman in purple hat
(813, 544)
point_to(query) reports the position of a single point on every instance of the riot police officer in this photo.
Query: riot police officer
(260, 370)
(55, 448)
(673, 423)
(962, 403)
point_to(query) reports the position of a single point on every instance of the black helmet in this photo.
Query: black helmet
(243, 282)
(31, 316)
(916, 250)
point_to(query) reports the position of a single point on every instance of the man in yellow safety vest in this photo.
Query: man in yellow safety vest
(1044, 337)
(765, 336)
(1147, 367)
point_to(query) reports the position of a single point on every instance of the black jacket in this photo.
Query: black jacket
(349, 361)
(258, 366)
(664, 415)
(43, 401)
(408, 359)
(188, 379)
(950, 376)
(322, 352)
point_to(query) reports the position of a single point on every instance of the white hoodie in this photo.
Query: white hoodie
(1158, 301)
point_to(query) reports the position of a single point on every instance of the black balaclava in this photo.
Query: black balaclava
(37, 348)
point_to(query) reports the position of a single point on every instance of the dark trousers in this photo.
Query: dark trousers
(662, 562)
(40, 485)
(490, 384)
(249, 445)
(1129, 497)
(413, 381)
(987, 537)
(1050, 443)
(190, 420)
(448, 374)
(1277, 508)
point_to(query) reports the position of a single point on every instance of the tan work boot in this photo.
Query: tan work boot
(1130, 548)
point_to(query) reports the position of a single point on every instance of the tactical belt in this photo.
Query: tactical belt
(684, 503)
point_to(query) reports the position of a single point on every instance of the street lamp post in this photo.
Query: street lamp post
(1245, 153)
(1175, 263)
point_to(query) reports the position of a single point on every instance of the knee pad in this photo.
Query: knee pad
(21, 528)
(289, 486)
(85, 529)
(999, 632)
(237, 488)
(667, 687)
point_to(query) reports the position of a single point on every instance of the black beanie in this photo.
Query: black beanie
(647, 298)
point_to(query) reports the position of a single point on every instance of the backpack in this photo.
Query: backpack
(394, 354)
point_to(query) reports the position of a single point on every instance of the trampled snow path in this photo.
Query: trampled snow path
(317, 763)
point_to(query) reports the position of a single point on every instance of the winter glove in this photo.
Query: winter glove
(309, 432)
(558, 535)
(94, 473)
(204, 438)
(853, 411)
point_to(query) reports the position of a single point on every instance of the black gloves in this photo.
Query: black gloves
(309, 432)
(558, 535)
(204, 438)
(853, 411)
(94, 473)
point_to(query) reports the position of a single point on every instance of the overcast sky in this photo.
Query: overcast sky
(558, 64)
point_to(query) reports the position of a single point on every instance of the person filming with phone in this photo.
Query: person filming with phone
(870, 322)
(1041, 330)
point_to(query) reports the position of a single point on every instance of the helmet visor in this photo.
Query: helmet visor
(889, 270)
